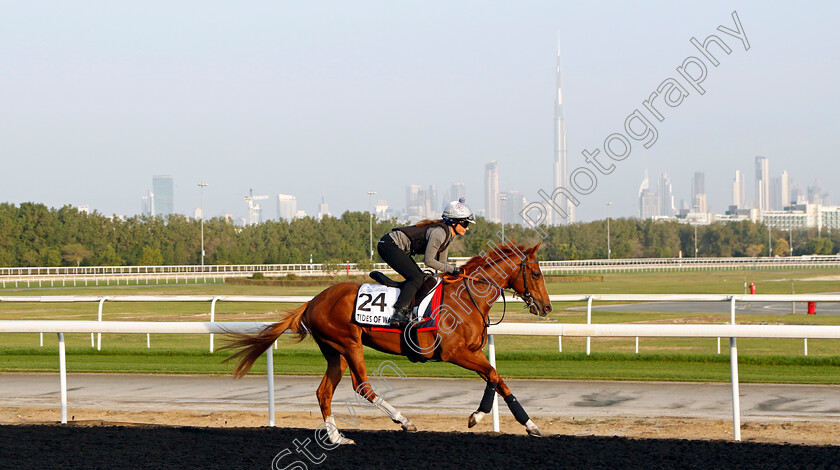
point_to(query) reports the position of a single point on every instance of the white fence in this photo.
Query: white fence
(99, 275)
(573, 330)
(588, 330)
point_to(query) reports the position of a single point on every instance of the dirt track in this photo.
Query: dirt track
(768, 431)
(153, 447)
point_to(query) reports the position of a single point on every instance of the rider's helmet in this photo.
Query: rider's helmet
(456, 212)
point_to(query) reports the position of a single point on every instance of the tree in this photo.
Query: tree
(781, 247)
(151, 257)
(74, 253)
(820, 246)
(754, 250)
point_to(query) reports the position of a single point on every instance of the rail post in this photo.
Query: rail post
(212, 319)
(491, 353)
(269, 356)
(733, 362)
(99, 335)
(588, 320)
(62, 377)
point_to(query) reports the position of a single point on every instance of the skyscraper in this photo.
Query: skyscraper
(739, 190)
(163, 188)
(666, 196)
(648, 200)
(784, 190)
(698, 193)
(286, 207)
(456, 192)
(323, 209)
(561, 169)
(762, 183)
(415, 202)
(491, 192)
(513, 203)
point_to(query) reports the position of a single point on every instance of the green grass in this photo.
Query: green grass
(679, 359)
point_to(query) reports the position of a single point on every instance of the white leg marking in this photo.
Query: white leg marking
(532, 429)
(335, 436)
(395, 415)
(475, 418)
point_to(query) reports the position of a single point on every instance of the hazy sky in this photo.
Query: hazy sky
(335, 99)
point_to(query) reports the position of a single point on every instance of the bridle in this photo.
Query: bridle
(525, 295)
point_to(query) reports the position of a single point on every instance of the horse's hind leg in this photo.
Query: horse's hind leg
(358, 371)
(476, 361)
(335, 370)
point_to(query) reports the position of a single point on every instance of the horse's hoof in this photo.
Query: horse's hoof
(475, 418)
(409, 427)
(532, 429)
(346, 441)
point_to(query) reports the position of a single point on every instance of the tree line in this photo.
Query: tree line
(32, 234)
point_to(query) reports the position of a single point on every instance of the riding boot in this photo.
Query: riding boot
(402, 315)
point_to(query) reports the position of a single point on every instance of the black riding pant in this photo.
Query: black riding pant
(403, 264)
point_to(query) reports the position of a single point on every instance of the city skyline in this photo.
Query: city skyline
(661, 201)
(310, 102)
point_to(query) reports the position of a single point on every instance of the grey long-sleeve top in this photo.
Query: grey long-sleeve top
(435, 237)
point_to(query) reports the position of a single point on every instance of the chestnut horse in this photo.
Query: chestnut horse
(459, 338)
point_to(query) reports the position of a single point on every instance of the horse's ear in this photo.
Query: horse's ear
(533, 250)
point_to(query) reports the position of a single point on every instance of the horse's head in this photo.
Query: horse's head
(529, 283)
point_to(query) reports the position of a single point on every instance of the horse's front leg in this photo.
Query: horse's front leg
(476, 361)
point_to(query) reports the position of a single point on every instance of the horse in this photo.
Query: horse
(463, 318)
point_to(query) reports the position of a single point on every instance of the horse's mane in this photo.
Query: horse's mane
(507, 250)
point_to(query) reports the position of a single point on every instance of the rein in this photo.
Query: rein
(526, 294)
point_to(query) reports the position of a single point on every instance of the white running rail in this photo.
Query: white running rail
(65, 275)
(588, 330)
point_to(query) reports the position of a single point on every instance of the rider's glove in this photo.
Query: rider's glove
(456, 272)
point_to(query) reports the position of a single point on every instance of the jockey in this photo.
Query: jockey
(432, 239)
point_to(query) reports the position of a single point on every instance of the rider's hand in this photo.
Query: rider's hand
(456, 272)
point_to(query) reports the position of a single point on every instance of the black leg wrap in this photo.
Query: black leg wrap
(517, 410)
(487, 399)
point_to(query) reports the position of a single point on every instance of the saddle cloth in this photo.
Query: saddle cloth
(375, 304)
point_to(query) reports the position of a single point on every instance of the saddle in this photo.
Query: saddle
(427, 304)
(429, 283)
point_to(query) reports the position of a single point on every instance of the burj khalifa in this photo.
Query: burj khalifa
(561, 168)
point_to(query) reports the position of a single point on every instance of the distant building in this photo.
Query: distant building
(561, 164)
(491, 192)
(415, 202)
(456, 191)
(512, 203)
(163, 197)
(698, 193)
(804, 216)
(382, 211)
(739, 190)
(666, 197)
(286, 207)
(762, 183)
(648, 200)
(323, 209)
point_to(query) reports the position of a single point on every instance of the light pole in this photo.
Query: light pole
(769, 242)
(370, 211)
(609, 251)
(201, 186)
(503, 198)
(695, 241)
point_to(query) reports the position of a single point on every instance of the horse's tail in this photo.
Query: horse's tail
(251, 347)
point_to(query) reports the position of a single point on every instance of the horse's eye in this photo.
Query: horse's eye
(535, 274)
